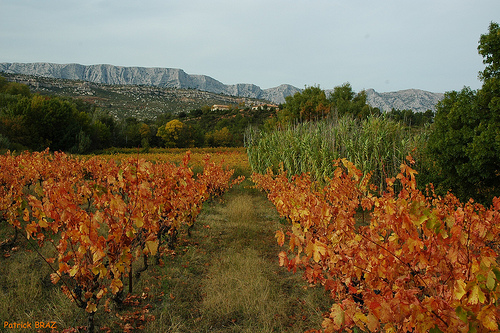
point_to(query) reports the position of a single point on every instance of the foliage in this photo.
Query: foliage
(219, 138)
(311, 103)
(101, 216)
(376, 145)
(465, 142)
(411, 118)
(410, 262)
(489, 48)
(37, 122)
(176, 134)
(344, 101)
(171, 133)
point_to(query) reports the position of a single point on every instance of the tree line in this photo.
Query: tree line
(314, 104)
(35, 122)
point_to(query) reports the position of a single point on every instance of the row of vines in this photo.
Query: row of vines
(100, 216)
(392, 261)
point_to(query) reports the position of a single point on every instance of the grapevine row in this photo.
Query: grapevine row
(100, 215)
(395, 262)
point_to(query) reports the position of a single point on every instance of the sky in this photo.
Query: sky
(387, 45)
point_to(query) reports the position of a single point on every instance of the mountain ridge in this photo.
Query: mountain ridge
(415, 99)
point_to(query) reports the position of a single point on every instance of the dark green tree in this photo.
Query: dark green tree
(465, 142)
(309, 104)
(55, 120)
(345, 101)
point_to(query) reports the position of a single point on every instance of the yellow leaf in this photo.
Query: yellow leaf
(118, 267)
(130, 233)
(43, 223)
(98, 255)
(152, 246)
(490, 281)
(389, 329)
(100, 269)
(474, 295)
(487, 261)
(487, 318)
(91, 307)
(361, 316)
(319, 249)
(283, 258)
(139, 221)
(338, 316)
(459, 290)
(101, 293)
(393, 238)
(481, 296)
(54, 277)
(73, 270)
(82, 250)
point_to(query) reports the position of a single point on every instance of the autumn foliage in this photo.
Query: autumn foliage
(101, 215)
(396, 262)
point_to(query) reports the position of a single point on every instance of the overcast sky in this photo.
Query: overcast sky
(386, 45)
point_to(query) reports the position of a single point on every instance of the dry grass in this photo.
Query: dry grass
(27, 294)
(237, 292)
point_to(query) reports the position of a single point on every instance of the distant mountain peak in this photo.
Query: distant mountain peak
(417, 100)
(408, 99)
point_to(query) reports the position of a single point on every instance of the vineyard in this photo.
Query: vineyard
(176, 242)
(396, 262)
(92, 219)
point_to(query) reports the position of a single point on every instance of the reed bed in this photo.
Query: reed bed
(376, 144)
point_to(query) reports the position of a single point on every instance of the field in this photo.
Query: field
(224, 277)
(232, 158)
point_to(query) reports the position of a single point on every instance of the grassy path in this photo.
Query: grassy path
(226, 278)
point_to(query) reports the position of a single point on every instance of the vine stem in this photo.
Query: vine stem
(78, 302)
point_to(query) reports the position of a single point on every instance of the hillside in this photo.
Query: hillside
(416, 100)
(121, 101)
(157, 77)
(410, 99)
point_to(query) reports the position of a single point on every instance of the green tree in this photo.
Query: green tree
(309, 104)
(13, 88)
(219, 138)
(145, 132)
(465, 142)
(345, 101)
(56, 120)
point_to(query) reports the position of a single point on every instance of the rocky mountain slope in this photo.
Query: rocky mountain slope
(417, 100)
(410, 99)
(158, 77)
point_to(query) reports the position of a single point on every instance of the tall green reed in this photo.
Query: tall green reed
(376, 145)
